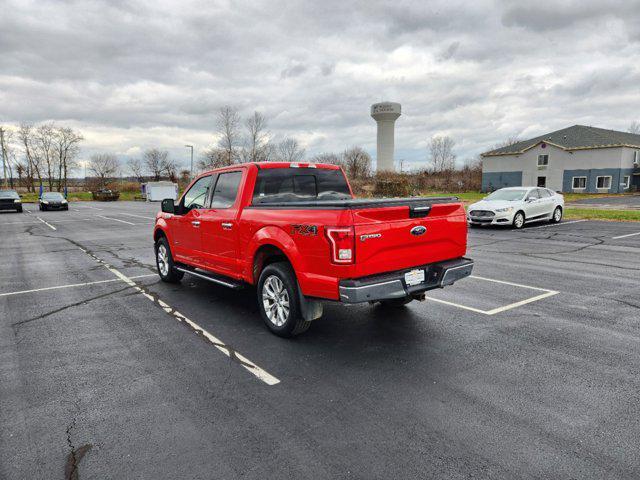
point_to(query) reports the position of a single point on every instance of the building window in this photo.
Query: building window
(579, 183)
(603, 182)
(543, 161)
(625, 181)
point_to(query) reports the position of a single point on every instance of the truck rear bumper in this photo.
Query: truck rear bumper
(392, 285)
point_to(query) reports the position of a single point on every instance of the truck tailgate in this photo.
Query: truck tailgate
(403, 236)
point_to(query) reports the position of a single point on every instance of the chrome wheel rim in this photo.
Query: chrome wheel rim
(163, 260)
(519, 220)
(557, 215)
(275, 299)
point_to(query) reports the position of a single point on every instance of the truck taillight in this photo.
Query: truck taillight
(342, 241)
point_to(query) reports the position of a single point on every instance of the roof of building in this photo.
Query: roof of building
(577, 137)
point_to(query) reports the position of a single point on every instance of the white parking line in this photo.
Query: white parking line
(548, 293)
(521, 302)
(251, 367)
(509, 283)
(116, 220)
(47, 224)
(70, 285)
(139, 216)
(57, 221)
(625, 236)
(552, 225)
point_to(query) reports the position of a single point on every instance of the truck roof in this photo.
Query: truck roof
(265, 165)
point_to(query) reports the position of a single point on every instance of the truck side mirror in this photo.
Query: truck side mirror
(168, 205)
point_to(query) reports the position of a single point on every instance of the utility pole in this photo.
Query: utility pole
(4, 160)
(191, 169)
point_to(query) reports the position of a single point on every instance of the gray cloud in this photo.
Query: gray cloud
(130, 75)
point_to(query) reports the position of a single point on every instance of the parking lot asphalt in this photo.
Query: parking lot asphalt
(528, 369)
(623, 202)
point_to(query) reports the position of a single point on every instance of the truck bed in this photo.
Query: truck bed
(359, 203)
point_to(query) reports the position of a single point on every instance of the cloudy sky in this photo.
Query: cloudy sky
(131, 75)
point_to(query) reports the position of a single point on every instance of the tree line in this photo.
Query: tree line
(39, 154)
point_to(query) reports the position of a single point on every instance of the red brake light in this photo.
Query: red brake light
(342, 240)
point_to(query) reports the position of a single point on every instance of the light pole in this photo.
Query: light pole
(191, 169)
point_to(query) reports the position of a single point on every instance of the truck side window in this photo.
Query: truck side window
(197, 195)
(226, 191)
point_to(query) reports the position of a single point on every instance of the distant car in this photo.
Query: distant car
(516, 206)
(53, 201)
(10, 200)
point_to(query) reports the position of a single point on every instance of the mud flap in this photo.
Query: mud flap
(310, 309)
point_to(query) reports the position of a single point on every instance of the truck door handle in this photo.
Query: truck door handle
(227, 226)
(195, 223)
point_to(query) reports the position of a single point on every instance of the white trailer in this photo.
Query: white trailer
(158, 191)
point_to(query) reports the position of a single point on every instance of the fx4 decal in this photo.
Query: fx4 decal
(303, 229)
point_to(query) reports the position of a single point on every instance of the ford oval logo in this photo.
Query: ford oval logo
(418, 230)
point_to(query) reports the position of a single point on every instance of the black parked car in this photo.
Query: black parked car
(10, 200)
(53, 201)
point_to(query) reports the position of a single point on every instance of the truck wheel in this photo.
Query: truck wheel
(164, 262)
(278, 300)
(396, 302)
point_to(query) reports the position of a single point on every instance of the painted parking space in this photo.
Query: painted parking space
(489, 296)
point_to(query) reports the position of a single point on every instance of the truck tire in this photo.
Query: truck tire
(164, 262)
(396, 302)
(278, 300)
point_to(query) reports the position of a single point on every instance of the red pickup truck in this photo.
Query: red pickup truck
(295, 232)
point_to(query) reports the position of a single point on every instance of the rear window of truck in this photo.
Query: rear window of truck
(278, 185)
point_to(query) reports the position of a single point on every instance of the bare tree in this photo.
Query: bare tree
(25, 137)
(634, 127)
(169, 167)
(441, 154)
(136, 168)
(228, 129)
(104, 166)
(507, 143)
(356, 163)
(330, 158)
(4, 152)
(212, 158)
(66, 147)
(20, 170)
(45, 137)
(185, 176)
(155, 161)
(257, 138)
(289, 150)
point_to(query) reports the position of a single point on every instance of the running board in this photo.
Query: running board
(211, 277)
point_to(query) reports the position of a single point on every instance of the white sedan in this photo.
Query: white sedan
(515, 206)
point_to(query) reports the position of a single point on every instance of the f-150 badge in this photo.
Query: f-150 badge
(369, 235)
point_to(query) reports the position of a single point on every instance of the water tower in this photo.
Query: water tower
(385, 114)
